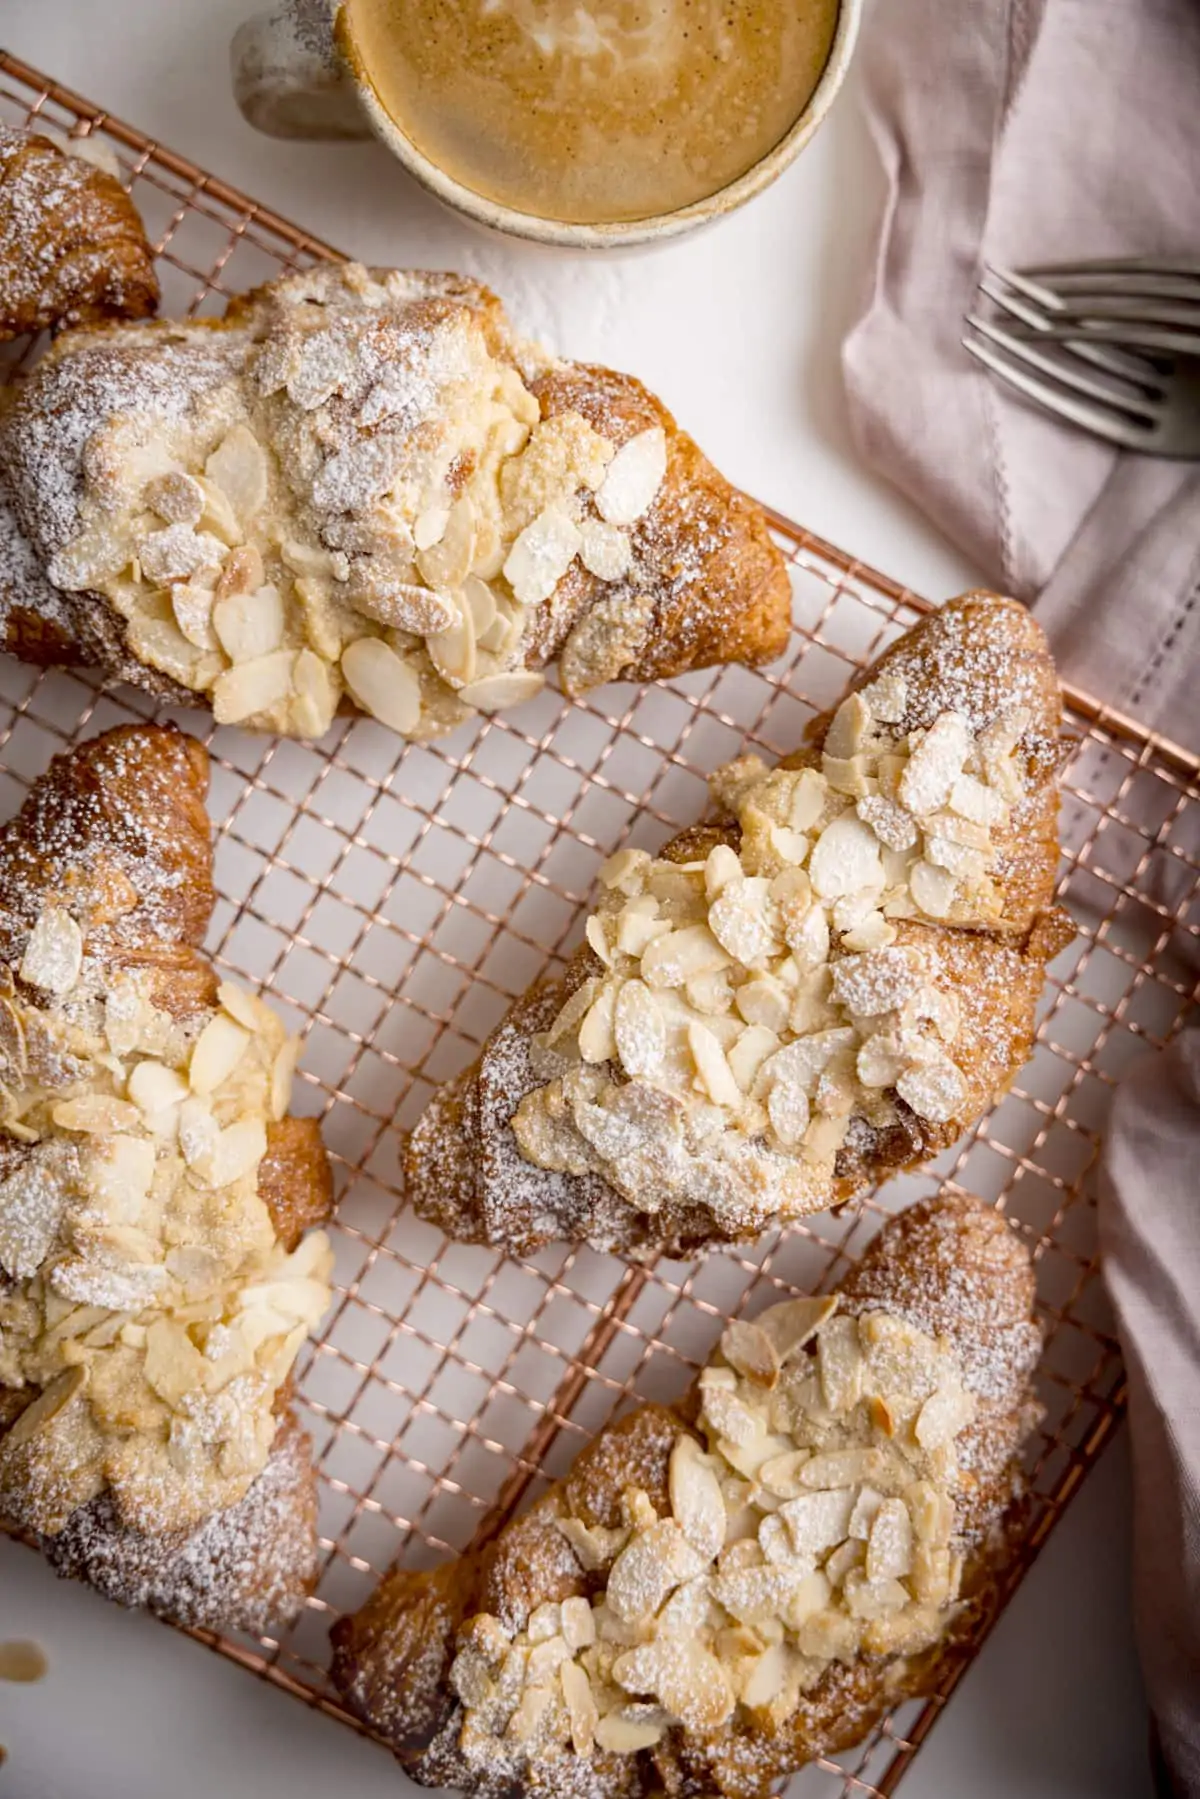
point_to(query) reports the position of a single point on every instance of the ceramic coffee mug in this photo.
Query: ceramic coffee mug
(297, 74)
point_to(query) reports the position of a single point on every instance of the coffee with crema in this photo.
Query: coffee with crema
(599, 112)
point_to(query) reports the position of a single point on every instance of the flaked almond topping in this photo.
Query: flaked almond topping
(238, 466)
(604, 550)
(541, 555)
(383, 591)
(934, 889)
(685, 1677)
(177, 552)
(494, 693)
(249, 625)
(936, 764)
(193, 608)
(218, 1050)
(634, 477)
(95, 1112)
(430, 527)
(53, 958)
(648, 1568)
(382, 684)
(748, 1348)
(176, 497)
(447, 563)
(252, 689)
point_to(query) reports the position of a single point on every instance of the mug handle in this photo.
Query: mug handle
(289, 79)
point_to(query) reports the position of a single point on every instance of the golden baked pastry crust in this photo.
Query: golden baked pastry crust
(978, 657)
(115, 837)
(950, 1267)
(73, 250)
(361, 488)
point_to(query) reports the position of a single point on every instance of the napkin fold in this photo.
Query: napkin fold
(1150, 1240)
(1017, 132)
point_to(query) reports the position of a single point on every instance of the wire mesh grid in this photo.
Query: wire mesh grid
(392, 901)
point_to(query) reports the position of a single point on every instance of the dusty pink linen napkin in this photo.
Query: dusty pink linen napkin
(1015, 132)
(1150, 1237)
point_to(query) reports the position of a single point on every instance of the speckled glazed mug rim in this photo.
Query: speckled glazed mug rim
(566, 233)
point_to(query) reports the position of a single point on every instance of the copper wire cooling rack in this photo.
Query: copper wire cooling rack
(393, 900)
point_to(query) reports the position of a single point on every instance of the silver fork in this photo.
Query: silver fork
(1134, 383)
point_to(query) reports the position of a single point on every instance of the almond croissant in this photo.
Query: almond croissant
(720, 1591)
(361, 488)
(830, 982)
(156, 1281)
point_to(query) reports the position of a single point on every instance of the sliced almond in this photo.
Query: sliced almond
(578, 1624)
(249, 625)
(713, 1070)
(382, 684)
(581, 1707)
(176, 553)
(685, 1677)
(696, 1499)
(935, 1090)
(740, 921)
(597, 1038)
(96, 1112)
(934, 889)
(626, 870)
(748, 1054)
(452, 651)
(619, 1735)
(818, 1521)
(238, 466)
(283, 1069)
(314, 695)
(176, 497)
(890, 822)
(480, 602)
(808, 801)
(430, 526)
(849, 728)
(153, 1087)
(251, 689)
(640, 1030)
(380, 589)
(975, 800)
(243, 572)
(53, 958)
(795, 1322)
(193, 609)
(845, 859)
(935, 764)
(890, 1544)
(541, 555)
(675, 957)
(496, 692)
(447, 563)
(52, 1400)
(840, 1360)
(237, 1152)
(217, 1051)
(721, 869)
(749, 1349)
(605, 551)
(639, 925)
(634, 477)
(650, 1566)
(947, 1411)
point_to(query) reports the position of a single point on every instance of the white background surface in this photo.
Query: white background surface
(738, 329)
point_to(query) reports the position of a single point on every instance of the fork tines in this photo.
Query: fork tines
(1112, 376)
